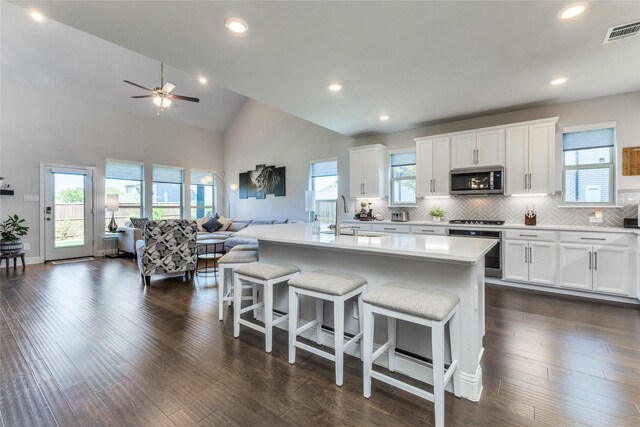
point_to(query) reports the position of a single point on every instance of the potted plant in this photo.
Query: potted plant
(11, 230)
(436, 213)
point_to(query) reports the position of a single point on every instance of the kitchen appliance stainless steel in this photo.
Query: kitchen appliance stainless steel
(470, 181)
(493, 258)
(399, 216)
(477, 221)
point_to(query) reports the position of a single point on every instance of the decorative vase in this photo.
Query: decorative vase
(436, 219)
(11, 247)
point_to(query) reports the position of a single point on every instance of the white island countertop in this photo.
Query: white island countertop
(463, 250)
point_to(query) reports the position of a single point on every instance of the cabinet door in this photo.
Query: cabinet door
(372, 174)
(542, 263)
(424, 168)
(516, 162)
(541, 153)
(611, 270)
(490, 146)
(463, 150)
(441, 167)
(356, 173)
(575, 266)
(516, 258)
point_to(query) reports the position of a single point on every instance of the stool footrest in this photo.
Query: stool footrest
(251, 325)
(381, 350)
(316, 351)
(309, 325)
(352, 341)
(251, 307)
(402, 385)
(281, 319)
(450, 371)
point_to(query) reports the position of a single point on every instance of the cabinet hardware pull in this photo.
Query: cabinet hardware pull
(589, 260)
(435, 186)
(525, 181)
(593, 238)
(428, 231)
(529, 186)
(528, 235)
(595, 260)
(390, 228)
(526, 260)
(530, 255)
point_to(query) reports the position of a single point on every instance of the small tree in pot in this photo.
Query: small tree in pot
(11, 230)
(436, 213)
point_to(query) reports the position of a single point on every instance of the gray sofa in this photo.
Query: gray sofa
(128, 235)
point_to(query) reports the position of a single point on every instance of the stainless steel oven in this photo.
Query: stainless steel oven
(493, 259)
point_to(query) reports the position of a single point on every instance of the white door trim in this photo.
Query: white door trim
(43, 167)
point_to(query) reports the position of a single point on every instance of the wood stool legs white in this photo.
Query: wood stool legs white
(320, 318)
(437, 351)
(293, 323)
(367, 348)
(391, 333)
(338, 332)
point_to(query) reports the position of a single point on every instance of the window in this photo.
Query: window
(126, 179)
(403, 178)
(203, 193)
(167, 192)
(589, 164)
(324, 181)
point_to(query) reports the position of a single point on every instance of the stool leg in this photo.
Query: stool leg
(237, 305)
(320, 318)
(361, 322)
(15, 263)
(293, 324)
(454, 336)
(391, 333)
(22, 258)
(437, 351)
(221, 287)
(268, 315)
(254, 301)
(338, 328)
(367, 343)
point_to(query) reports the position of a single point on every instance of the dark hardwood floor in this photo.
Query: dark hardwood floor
(87, 344)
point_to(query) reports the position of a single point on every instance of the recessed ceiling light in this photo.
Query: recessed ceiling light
(202, 80)
(573, 10)
(384, 117)
(236, 25)
(37, 15)
(559, 81)
(335, 87)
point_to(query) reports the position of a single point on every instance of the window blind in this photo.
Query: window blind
(167, 174)
(403, 159)
(588, 139)
(319, 169)
(124, 170)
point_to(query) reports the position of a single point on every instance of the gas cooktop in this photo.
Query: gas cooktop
(477, 221)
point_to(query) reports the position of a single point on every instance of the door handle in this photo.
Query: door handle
(593, 238)
(435, 186)
(525, 181)
(48, 218)
(589, 260)
(529, 181)
(526, 260)
(528, 235)
(595, 260)
(530, 255)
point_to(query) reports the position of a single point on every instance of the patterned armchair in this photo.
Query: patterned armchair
(169, 246)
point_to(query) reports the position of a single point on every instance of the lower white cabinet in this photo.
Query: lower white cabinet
(391, 228)
(595, 268)
(529, 261)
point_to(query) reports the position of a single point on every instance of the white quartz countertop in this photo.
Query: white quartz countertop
(594, 229)
(442, 248)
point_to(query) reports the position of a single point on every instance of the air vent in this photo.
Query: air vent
(622, 32)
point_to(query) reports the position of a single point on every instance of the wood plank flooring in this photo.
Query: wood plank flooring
(87, 344)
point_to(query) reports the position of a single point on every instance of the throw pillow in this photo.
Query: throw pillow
(202, 221)
(212, 225)
(226, 222)
(140, 223)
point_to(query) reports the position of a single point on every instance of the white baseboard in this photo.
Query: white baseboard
(33, 260)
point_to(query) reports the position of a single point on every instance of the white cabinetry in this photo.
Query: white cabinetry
(530, 158)
(367, 171)
(530, 257)
(391, 228)
(432, 165)
(476, 149)
(600, 263)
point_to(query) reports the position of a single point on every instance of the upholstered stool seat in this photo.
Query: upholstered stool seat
(415, 303)
(325, 285)
(227, 263)
(247, 247)
(268, 275)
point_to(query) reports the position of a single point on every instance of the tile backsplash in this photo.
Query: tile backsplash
(511, 209)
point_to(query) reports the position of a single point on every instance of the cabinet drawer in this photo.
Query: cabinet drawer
(426, 229)
(359, 225)
(588, 238)
(531, 235)
(391, 228)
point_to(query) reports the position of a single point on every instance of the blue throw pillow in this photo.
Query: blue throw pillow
(212, 225)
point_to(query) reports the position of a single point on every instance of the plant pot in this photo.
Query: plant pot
(436, 219)
(11, 247)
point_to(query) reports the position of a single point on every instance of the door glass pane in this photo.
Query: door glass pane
(69, 195)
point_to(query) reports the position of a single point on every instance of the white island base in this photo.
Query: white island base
(370, 258)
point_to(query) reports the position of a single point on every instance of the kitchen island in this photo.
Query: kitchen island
(454, 264)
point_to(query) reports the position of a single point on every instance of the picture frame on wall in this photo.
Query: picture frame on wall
(261, 181)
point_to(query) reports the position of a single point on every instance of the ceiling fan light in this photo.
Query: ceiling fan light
(161, 101)
(237, 25)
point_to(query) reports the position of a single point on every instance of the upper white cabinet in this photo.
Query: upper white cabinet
(367, 171)
(432, 167)
(530, 158)
(477, 149)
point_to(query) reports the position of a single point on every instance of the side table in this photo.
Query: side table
(211, 249)
(107, 236)
(15, 259)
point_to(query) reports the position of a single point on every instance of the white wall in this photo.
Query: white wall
(264, 135)
(623, 108)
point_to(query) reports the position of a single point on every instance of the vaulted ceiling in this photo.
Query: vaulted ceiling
(418, 62)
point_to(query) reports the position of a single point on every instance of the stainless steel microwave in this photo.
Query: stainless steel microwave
(487, 180)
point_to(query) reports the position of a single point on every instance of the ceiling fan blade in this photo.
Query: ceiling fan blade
(137, 85)
(168, 87)
(143, 96)
(184, 98)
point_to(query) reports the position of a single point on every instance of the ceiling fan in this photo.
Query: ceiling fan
(162, 96)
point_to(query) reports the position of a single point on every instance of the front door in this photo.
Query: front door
(68, 215)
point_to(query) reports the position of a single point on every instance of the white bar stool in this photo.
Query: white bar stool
(325, 285)
(227, 264)
(412, 302)
(267, 275)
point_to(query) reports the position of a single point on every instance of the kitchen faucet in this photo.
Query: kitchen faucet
(336, 227)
